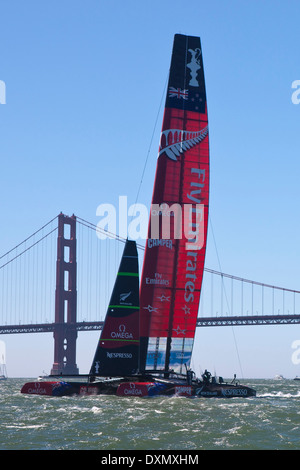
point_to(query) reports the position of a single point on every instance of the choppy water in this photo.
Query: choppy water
(269, 421)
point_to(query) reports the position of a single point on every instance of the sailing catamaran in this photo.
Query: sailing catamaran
(146, 343)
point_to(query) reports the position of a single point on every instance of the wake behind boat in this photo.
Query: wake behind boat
(147, 339)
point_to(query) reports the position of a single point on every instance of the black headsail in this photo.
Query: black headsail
(118, 348)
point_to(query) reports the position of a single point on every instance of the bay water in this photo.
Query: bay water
(269, 421)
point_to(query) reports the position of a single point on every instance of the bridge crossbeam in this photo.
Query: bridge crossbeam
(50, 327)
(251, 320)
(201, 322)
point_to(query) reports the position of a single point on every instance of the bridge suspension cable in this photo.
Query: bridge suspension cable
(223, 275)
(27, 281)
(27, 278)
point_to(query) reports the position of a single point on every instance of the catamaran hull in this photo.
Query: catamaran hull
(61, 389)
(138, 389)
(151, 389)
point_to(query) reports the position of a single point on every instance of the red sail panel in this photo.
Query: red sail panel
(175, 248)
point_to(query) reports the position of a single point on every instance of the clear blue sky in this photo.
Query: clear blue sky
(83, 85)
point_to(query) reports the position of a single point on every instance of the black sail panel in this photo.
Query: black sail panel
(118, 347)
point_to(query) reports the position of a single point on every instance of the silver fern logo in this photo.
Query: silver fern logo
(175, 141)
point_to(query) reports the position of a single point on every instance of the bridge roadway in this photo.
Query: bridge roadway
(201, 322)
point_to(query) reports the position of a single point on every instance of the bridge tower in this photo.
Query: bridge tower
(65, 332)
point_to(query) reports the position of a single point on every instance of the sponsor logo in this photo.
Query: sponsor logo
(88, 390)
(206, 394)
(38, 389)
(132, 390)
(197, 242)
(158, 280)
(121, 334)
(118, 355)
(152, 242)
(186, 390)
(234, 392)
(123, 297)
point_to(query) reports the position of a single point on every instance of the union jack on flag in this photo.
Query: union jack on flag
(178, 93)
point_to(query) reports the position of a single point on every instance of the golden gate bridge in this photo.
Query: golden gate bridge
(59, 280)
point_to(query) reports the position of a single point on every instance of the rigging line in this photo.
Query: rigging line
(26, 239)
(232, 329)
(151, 140)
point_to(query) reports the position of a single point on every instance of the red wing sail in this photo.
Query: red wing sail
(175, 249)
(118, 349)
